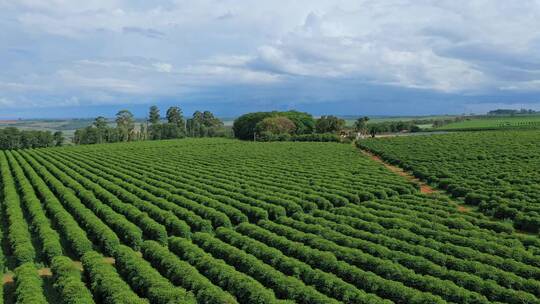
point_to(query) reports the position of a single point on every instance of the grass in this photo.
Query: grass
(495, 122)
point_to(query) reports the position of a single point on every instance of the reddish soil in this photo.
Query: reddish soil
(8, 278)
(463, 209)
(424, 188)
(46, 272)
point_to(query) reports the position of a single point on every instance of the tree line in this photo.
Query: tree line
(174, 125)
(12, 138)
(300, 126)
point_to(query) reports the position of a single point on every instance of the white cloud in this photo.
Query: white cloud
(74, 79)
(96, 49)
(8, 103)
(163, 67)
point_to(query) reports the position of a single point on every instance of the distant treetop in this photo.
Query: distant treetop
(512, 112)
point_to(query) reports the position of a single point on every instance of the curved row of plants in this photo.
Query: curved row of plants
(495, 171)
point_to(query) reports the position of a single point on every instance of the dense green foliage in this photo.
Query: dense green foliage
(12, 138)
(492, 122)
(499, 171)
(228, 221)
(67, 282)
(245, 126)
(202, 124)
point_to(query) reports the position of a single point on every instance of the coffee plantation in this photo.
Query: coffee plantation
(498, 171)
(228, 221)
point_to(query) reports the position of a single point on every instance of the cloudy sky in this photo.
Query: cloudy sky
(68, 58)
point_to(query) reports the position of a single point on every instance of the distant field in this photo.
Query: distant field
(350, 120)
(486, 122)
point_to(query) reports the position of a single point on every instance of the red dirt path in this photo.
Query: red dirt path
(424, 188)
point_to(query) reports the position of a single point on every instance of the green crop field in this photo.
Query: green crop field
(499, 171)
(495, 122)
(224, 221)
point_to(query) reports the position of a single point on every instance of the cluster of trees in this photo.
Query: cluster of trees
(299, 126)
(201, 124)
(287, 126)
(437, 123)
(393, 127)
(250, 126)
(512, 112)
(12, 138)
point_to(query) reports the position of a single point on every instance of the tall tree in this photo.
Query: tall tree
(100, 122)
(329, 124)
(153, 116)
(58, 138)
(125, 123)
(175, 126)
(143, 133)
(203, 124)
(174, 115)
(360, 125)
(101, 125)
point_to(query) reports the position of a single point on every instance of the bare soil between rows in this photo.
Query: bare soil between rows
(424, 188)
(8, 278)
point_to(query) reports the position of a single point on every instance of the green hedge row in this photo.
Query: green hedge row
(326, 261)
(18, 234)
(146, 280)
(62, 220)
(127, 231)
(101, 233)
(28, 285)
(284, 286)
(115, 186)
(106, 284)
(40, 224)
(244, 288)
(150, 228)
(68, 282)
(181, 273)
